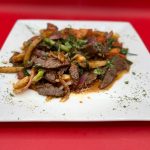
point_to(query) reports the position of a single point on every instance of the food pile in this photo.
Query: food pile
(58, 62)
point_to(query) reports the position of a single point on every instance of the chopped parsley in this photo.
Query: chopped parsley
(110, 64)
(26, 73)
(124, 51)
(74, 43)
(99, 71)
(110, 42)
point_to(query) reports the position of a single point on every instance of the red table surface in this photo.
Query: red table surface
(99, 135)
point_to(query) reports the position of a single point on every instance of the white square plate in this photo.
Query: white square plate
(121, 102)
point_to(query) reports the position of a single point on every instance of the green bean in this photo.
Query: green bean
(38, 76)
(53, 43)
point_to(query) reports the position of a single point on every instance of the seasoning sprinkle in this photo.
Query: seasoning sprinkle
(126, 82)
(11, 95)
(133, 73)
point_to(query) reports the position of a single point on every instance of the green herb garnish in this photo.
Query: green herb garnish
(26, 73)
(109, 64)
(110, 41)
(80, 43)
(68, 45)
(99, 71)
(75, 43)
(124, 51)
(132, 54)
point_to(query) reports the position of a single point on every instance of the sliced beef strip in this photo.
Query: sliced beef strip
(56, 36)
(51, 76)
(91, 40)
(90, 78)
(49, 90)
(39, 53)
(109, 34)
(62, 70)
(74, 72)
(49, 63)
(43, 47)
(94, 48)
(91, 50)
(86, 80)
(11, 58)
(52, 27)
(120, 63)
(109, 77)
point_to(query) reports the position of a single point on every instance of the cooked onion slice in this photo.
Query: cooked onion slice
(27, 85)
(30, 48)
(97, 63)
(21, 83)
(66, 88)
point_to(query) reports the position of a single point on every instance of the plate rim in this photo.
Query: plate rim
(86, 120)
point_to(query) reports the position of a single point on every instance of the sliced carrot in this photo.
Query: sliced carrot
(101, 39)
(117, 44)
(114, 51)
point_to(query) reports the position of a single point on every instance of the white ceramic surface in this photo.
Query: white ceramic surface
(120, 103)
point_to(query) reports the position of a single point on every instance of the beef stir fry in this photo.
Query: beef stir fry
(58, 62)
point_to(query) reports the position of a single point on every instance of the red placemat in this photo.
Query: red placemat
(75, 136)
(104, 136)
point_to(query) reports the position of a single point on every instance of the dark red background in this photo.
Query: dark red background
(62, 136)
(83, 3)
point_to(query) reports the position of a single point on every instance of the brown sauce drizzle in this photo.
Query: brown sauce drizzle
(94, 87)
